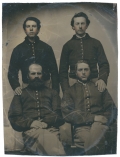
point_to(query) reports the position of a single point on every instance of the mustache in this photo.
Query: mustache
(36, 83)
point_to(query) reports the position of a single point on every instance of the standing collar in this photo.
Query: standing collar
(86, 36)
(78, 81)
(81, 37)
(36, 40)
(84, 84)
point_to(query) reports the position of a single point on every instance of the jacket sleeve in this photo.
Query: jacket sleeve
(15, 115)
(110, 110)
(64, 67)
(13, 70)
(54, 118)
(53, 70)
(70, 114)
(103, 64)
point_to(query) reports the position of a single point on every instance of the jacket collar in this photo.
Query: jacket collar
(80, 82)
(76, 38)
(27, 41)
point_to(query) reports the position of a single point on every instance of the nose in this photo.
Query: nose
(36, 75)
(80, 26)
(83, 71)
(31, 28)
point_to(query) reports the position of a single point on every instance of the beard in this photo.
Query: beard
(36, 83)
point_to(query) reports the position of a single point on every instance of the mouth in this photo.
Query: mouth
(31, 33)
(83, 77)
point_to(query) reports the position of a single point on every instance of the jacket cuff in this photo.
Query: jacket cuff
(104, 77)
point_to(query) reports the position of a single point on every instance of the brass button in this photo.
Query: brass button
(38, 113)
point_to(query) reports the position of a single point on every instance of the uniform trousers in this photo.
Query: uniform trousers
(43, 141)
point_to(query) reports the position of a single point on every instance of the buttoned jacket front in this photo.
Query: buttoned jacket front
(82, 48)
(26, 53)
(35, 105)
(81, 102)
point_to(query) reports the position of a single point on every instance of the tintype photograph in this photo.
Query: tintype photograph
(59, 78)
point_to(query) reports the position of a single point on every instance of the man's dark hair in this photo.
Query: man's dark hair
(32, 19)
(82, 61)
(80, 14)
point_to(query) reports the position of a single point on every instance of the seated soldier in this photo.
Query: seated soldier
(37, 114)
(90, 111)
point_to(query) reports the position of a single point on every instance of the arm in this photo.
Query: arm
(15, 115)
(53, 70)
(54, 118)
(13, 70)
(103, 64)
(109, 108)
(63, 69)
(70, 113)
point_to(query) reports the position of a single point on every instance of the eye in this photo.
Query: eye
(33, 73)
(79, 69)
(34, 26)
(86, 69)
(77, 23)
(27, 26)
(39, 73)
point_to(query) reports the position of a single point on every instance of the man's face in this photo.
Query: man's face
(31, 29)
(83, 71)
(35, 71)
(80, 25)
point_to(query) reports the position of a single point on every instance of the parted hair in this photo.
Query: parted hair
(80, 14)
(32, 19)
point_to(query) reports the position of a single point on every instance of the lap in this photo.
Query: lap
(45, 141)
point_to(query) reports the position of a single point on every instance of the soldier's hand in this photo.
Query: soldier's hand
(18, 91)
(38, 124)
(44, 125)
(100, 118)
(101, 85)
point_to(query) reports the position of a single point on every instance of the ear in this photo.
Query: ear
(73, 28)
(38, 31)
(27, 76)
(86, 26)
(24, 31)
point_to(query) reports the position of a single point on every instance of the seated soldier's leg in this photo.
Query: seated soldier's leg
(65, 134)
(81, 136)
(111, 139)
(30, 138)
(96, 140)
(43, 141)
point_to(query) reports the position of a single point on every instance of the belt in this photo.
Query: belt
(83, 124)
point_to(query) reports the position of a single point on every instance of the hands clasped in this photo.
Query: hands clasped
(38, 124)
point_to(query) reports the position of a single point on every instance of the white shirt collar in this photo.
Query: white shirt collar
(82, 36)
(81, 82)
